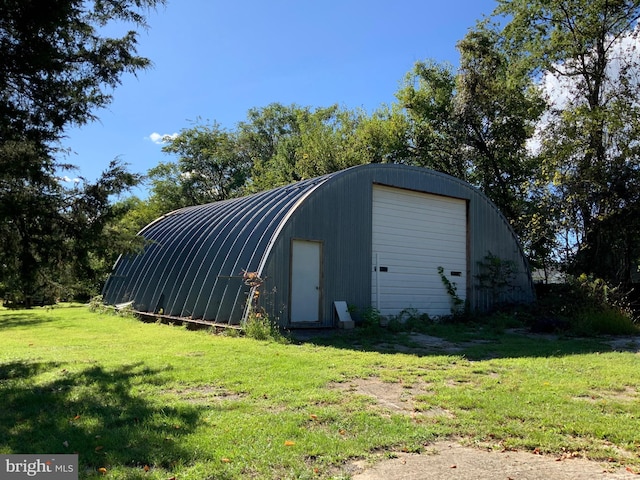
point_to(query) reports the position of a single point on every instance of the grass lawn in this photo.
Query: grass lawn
(151, 401)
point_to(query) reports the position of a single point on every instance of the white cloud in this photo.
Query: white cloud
(161, 139)
(66, 179)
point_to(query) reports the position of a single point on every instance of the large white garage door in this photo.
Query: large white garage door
(414, 234)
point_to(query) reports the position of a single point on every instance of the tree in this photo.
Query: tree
(55, 64)
(57, 241)
(288, 143)
(276, 145)
(434, 136)
(498, 109)
(94, 240)
(57, 69)
(474, 123)
(584, 52)
(31, 228)
(269, 138)
(209, 163)
(382, 137)
(166, 189)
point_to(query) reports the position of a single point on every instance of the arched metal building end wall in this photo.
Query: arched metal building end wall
(192, 267)
(339, 214)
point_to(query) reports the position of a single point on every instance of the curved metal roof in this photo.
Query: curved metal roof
(194, 262)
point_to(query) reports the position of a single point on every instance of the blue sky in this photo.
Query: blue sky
(215, 60)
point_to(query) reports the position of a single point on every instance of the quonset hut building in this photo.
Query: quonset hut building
(373, 236)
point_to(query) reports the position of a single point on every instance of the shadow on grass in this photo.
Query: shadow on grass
(93, 412)
(23, 319)
(470, 341)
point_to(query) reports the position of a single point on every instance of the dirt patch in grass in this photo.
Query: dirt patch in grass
(449, 460)
(626, 394)
(391, 397)
(452, 461)
(203, 394)
(421, 342)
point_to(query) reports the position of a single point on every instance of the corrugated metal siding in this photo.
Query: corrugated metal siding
(193, 267)
(339, 213)
(193, 264)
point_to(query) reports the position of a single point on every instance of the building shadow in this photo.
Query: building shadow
(470, 342)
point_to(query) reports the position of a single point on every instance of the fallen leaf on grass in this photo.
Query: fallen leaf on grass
(313, 416)
(98, 448)
(289, 443)
(225, 460)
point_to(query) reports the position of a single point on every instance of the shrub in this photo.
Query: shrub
(587, 306)
(96, 304)
(370, 318)
(260, 327)
(608, 321)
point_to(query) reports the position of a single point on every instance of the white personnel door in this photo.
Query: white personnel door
(305, 281)
(413, 234)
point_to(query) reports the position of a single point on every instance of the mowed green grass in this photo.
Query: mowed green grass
(151, 401)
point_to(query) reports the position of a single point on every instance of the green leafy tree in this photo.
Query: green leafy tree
(583, 51)
(434, 136)
(382, 137)
(166, 192)
(475, 123)
(286, 143)
(55, 64)
(133, 215)
(57, 69)
(32, 241)
(209, 164)
(332, 139)
(498, 110)
(275, 145)
(94, 241)
(270, 139)
(57, 241)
